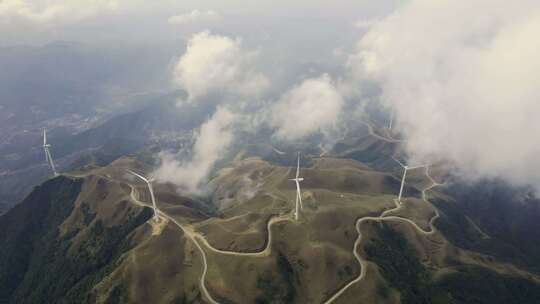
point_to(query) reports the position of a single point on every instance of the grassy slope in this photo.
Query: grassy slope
(96, 248)
(403, 271)
(23, 227)
(507, 215)
(48, 265)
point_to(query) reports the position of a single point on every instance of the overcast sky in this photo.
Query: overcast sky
(292, 37)
(39, 21)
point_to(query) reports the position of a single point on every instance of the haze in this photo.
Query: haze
(463, 86)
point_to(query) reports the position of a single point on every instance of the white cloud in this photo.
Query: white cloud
(53, 11)
(463, 78)
(312, 106)
(365, 24)
(218, 64)
(194, 16)
(213, 140)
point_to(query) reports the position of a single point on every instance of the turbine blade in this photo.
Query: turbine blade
(417, 166)
(400, 163)
(44, 137)
(51, 162)
(138, 175)
(46, 155)
(154, 206)
(278, 151)
(298, 166)
(296, 199)
(50, 158)
(299, 194)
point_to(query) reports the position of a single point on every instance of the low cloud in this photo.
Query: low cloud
(464, 89)
(240, 191)
(194, 16)
(218, 64)
(214, 138)
(311, 107)
(218, 67)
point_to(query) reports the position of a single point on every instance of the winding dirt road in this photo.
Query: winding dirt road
(381, 218)
(190, 234)
(262, 253)
(196, 237)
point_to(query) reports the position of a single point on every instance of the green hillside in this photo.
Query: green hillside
(89, 237)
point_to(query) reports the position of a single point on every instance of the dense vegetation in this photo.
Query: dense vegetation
(277, 288)
(399, 265)
(483, 286)
(37, 265)
(24, 225)
(508, 215)
(401, 268)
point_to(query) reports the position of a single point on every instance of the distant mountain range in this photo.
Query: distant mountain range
(157, 125)
(66, 88)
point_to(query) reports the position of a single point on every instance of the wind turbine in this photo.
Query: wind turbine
(406, 168)
(48, 157)
(151, 189)
(297, 180)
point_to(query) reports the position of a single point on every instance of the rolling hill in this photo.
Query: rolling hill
(88, 237)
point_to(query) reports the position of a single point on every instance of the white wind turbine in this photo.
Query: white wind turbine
(151, 189)
(298, 179)
(406, 168)
(48, 157)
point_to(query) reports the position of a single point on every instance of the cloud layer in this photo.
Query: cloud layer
(53, 11)
(218, 64)
(212, 143)
(461, 75)
(194, 16)
(310, 107)
(463, 79)
(217, 67)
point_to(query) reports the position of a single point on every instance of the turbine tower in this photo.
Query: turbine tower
(405, 169)
(48, 157)
(151, 189)
(391, 120)
(297, 180)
